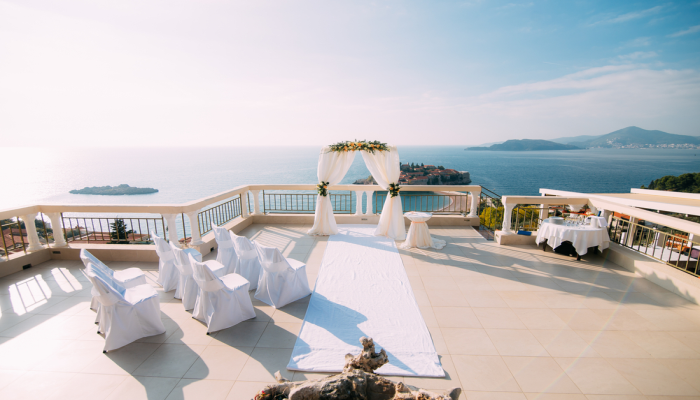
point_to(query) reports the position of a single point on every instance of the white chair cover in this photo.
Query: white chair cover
(248, 263)
(283, 280)
(332, 167)
(222, 302)
(385, 167)
(226, 252)
(168, 274)
(186, 286)
(128, 314)
(127, 278)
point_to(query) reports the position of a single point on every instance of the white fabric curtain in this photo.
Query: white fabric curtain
(332, 167)
(385, 167)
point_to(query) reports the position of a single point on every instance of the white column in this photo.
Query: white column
(244, 204)
(631, 229)
(256, 202)
(194, 227)
(474, 206)
(170, 220)
(369, 194)
(544, 210)
(507, 213)
(32, 236)
(358, 203)
(57, 226)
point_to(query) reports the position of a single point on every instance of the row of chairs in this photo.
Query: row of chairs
(216, 291)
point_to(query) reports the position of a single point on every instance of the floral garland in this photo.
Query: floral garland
(322, 188)
(360, 145)
(394, 189)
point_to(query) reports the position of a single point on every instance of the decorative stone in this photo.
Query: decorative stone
(357, 382)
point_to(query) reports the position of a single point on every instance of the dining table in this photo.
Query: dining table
(582, 237)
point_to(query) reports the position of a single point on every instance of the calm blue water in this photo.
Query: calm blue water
(185, 174)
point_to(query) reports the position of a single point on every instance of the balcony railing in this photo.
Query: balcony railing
(219, 214)
(662, 243)
(111, 230)
(436, 203)
(304, 203)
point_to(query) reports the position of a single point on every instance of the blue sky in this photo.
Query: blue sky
(197, 73)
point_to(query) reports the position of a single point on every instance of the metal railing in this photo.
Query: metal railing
(670, 246)
(14, 235)
(112, 230)
(219, 214)
(490, 212)
(527, 218)
(303, 202)
(435, 203)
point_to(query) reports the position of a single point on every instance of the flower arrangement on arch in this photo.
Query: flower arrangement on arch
(394, 189)
(322, 188)
(360, 145)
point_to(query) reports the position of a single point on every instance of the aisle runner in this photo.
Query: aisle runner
(363, 290)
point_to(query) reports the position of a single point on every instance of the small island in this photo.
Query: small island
(420, 174)
(120, 190)
(526, 145)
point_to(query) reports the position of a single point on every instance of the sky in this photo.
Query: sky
(232, 73)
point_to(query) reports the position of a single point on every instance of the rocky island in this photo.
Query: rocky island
(420, 174)
(120, 190)
(527, 145)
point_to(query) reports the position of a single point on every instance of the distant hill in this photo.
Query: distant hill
(123, 189)
(526, 145)
(634, 137)
(573, 139)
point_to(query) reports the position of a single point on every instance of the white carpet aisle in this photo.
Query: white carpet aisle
(363, 290)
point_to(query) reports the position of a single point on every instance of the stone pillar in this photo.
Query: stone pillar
(507, 214)
(244, 204)
(170, 220)
(194, 227)
(256, 202)
(58, 239)
(474, 206)
(369, 194)
(358, 204)
(32, 236)
(544, 210)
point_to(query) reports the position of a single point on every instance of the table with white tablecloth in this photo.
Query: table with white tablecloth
(581, 237)
(419, 234)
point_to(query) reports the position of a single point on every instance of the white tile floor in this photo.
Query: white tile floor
(508, 323)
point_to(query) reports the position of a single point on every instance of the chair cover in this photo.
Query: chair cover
(226, 252)
(128, 314)
(222, 302)
(186, 286)
(283, 279)
(127, 278)
(168, 274)
(248, 263)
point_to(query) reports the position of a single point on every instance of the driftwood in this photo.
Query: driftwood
(357, 382)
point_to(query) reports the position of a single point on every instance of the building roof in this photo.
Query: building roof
(675, 202)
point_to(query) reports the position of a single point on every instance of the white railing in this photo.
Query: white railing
(192, 209)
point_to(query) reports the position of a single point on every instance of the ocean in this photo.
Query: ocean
(44, 176)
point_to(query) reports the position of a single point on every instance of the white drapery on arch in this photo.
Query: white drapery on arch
(332, 167)
(384, 166)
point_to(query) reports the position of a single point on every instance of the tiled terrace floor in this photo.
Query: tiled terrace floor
(508, 322)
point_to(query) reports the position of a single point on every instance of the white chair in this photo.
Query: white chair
(127, 278)
(168, 274)
(248, 262)
(225, 251)
(187, 289)
(127, 314)
(222, 301)
(283, 279)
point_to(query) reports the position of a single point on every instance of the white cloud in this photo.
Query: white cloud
(637, 55)
(688, 31)
(630, 16)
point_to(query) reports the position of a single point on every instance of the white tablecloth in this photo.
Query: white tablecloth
(581, 237)
(419, 234)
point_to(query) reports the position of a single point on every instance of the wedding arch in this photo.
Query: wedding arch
(384, 165)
